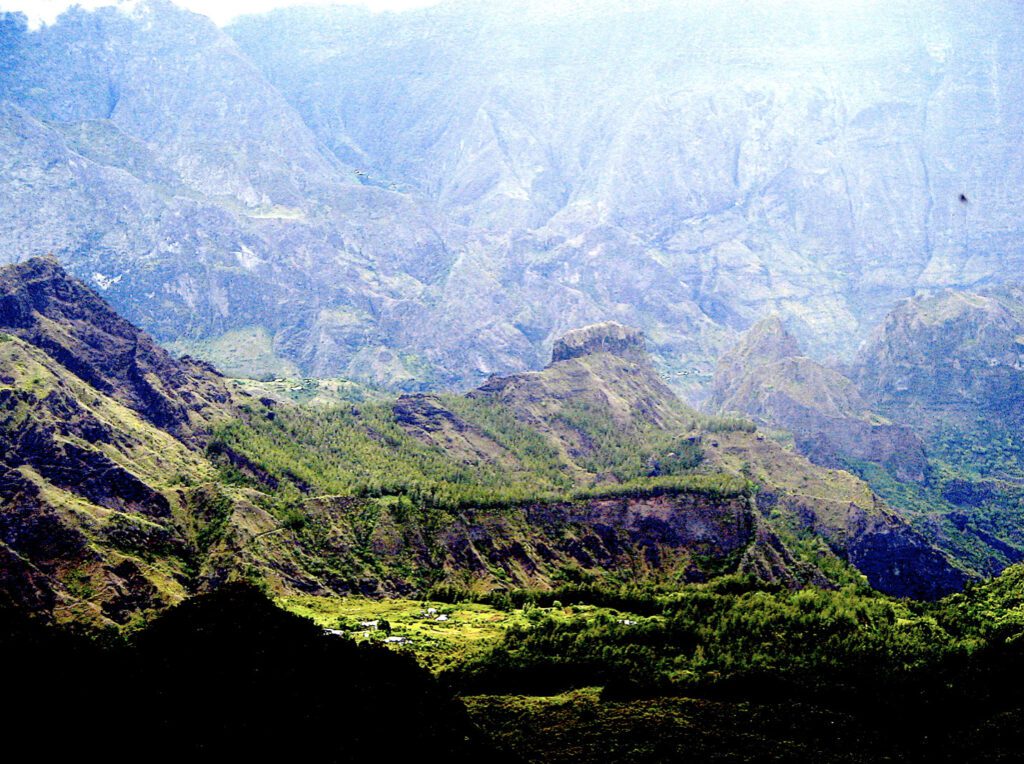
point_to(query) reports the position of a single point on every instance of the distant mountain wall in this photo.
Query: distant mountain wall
(423, 199)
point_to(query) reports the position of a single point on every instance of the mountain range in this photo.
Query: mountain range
(928, 412)
(133, 479)
(420, 200)
(537, 381)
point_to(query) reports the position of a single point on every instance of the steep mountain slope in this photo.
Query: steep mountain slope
(588, 470)
(930, 422)
(796, 496)
(153, 159)
(686, 168)
(472, 491)
(110, 511)
(599, 377)
(41, 305)
(767, 377)
(950, 366)
(105, 496)
(953, 355)
(424, 199)
(77, 519)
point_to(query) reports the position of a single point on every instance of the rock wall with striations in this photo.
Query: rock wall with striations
(417, 200)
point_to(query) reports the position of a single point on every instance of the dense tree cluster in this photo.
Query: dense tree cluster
(740, 635)
(364, 452)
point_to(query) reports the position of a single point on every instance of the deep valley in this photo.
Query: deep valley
(528, 382)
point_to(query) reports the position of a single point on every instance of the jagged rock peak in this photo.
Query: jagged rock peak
(606, 337)
(953, 351)
(43, 305)
(31, 288)
(768, 340)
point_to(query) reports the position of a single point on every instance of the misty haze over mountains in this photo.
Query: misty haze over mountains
(547, 381)
(422, 199)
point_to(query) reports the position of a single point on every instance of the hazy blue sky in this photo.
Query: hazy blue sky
(221, 11)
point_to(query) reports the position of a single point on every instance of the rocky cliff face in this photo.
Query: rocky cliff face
(603, 367)
(730, 163)
(77, 329)
(953, 354)
(621, 388)
(607, 337)
(88, 525)
(766, 376)
(680, 537)
(951, 366)
(416, 199)
(174, 178)
(853, 523)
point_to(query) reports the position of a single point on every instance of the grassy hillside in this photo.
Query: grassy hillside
(245, 352)
(434, 488)
(389, 499)
(133, 479)
(101, 508)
